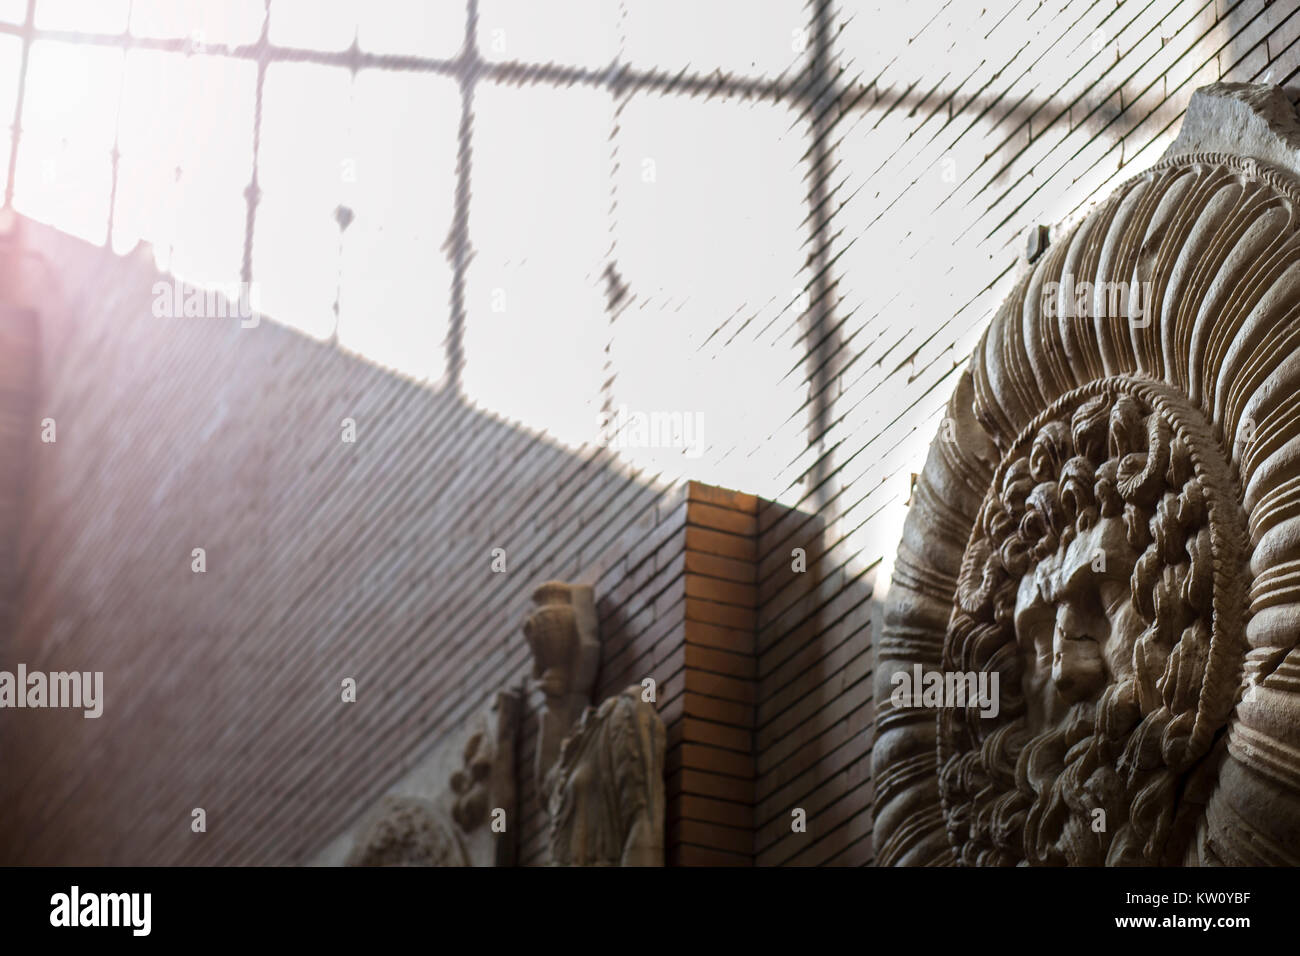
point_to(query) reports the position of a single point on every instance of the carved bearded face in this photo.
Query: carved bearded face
(1075, 623)
(1087, 584)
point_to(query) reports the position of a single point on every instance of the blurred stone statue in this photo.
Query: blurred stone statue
(407, 831)
(447, 816)
(561, 631)
(602, 774)
(605, 795)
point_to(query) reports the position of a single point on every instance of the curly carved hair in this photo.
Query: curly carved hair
(1010, 796)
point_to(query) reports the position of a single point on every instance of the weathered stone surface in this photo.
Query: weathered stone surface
(561, 631)
(407, 831)
(602, 773)
(1107, 522)
(456, 808)
(605, 795)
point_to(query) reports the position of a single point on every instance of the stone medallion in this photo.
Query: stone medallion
(1108, 530)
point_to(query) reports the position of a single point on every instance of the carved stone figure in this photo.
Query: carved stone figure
(1110, 521)
(484, 790)
(561, 631)
(602, 776)
(605, 795)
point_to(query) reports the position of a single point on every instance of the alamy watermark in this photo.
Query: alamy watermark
(624, 428)
(74, 689)
(1073, 299)
(921, 688)
(75, 908)
(183, 300)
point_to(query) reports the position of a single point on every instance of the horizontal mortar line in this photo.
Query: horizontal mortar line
(767, 727)
(780, 824)
(990, 152)
(854, 653)
(1081, 97)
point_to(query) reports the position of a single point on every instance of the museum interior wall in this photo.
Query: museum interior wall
(875, 171)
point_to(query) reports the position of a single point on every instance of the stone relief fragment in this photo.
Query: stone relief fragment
(1109, 521)
(457, 809)
(407, 831)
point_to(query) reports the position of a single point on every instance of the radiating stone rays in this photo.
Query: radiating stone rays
(1188, 277)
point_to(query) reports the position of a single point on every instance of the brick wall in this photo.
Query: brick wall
(222, 688)
(19, 348)
(711, 758)
(933, 137)
(324, 560)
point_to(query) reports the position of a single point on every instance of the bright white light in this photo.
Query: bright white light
(539, 222)
(710, 203)
(13, 11)
(72, 92)
(356, 206)
(216, 167)
(710, 200)
(228, 23)
(67, 188)
(581, 33)
(65, 172)
(313, 24)
(149, 170)
(186, 143)
(394, 301)
(301, 164)
(741, 37)
(84, 16)
(411, 27)
(11, 54)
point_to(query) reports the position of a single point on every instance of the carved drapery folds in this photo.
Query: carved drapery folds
(605, 794)
(1109, 520)
(600, 769)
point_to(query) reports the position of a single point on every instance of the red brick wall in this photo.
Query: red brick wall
(711, 757)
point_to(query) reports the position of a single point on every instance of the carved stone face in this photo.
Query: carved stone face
(1088, 584)
(1075, 623)
(1190, 745)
